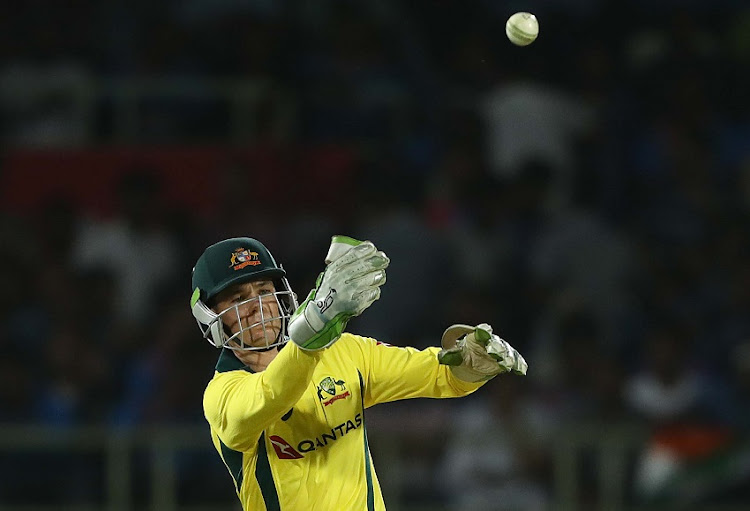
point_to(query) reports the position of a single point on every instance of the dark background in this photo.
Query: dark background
(587, 195)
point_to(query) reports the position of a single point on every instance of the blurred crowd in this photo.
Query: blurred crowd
(589, 196)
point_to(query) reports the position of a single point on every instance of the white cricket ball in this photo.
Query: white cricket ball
(522, 28)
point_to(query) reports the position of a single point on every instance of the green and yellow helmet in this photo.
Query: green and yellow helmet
(235, 261)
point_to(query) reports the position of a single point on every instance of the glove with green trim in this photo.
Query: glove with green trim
(475, 354)
(350, 283)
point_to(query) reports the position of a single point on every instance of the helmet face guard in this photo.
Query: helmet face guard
(236, 261)
(269, 331)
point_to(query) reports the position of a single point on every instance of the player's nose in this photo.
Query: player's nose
(250, 308)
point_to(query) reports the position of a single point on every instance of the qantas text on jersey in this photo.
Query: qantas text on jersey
(285, 451)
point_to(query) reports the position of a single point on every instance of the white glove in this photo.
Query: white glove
(476, 354)
(350, 283)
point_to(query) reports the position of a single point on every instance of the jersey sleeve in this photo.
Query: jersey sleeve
(239, 405)
(392, 373)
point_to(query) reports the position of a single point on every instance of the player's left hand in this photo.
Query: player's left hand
(351, 282)
(475, 354)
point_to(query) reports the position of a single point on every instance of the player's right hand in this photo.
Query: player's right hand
(476, 354)
(350, 283)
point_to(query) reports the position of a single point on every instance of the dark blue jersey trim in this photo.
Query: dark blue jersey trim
(265, 477)
(233, 461)
(368, 464)
(228, 362)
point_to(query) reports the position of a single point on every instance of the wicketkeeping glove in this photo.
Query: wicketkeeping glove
(350, 283)
(475, 354)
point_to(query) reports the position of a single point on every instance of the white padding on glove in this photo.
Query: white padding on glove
(475, 354)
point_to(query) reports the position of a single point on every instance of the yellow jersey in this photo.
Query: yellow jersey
(293, 437)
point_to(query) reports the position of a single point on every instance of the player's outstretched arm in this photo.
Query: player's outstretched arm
(351, 282)
(475, 354)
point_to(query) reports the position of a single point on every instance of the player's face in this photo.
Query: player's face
(253, 308)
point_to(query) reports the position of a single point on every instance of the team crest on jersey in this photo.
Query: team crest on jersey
(331, 390)
(242, 257)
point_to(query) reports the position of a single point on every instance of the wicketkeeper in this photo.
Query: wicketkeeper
(287, 403)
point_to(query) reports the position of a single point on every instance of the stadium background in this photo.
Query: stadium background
(588, 195)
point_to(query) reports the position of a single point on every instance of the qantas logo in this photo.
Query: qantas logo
(285, 451)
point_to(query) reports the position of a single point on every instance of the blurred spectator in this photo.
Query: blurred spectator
(668, 388)
(681, 404)
(77, 387)
(235, 179)
(568, 347)
(393, 213)
(352, 79)
(497, 455)
(578, 255)
(53, 112)
(528, 120)
(45, 75)
(134, 245)
(156, 388)
(76, 391)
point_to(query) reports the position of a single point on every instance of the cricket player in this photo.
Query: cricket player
(287, 403)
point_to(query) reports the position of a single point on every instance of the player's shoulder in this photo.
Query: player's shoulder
(350, 340)
(347, 343)
(347, 337)
(213, 392)
(356, 344)
(220, 379)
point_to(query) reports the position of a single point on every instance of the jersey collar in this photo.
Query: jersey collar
(228, 362)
